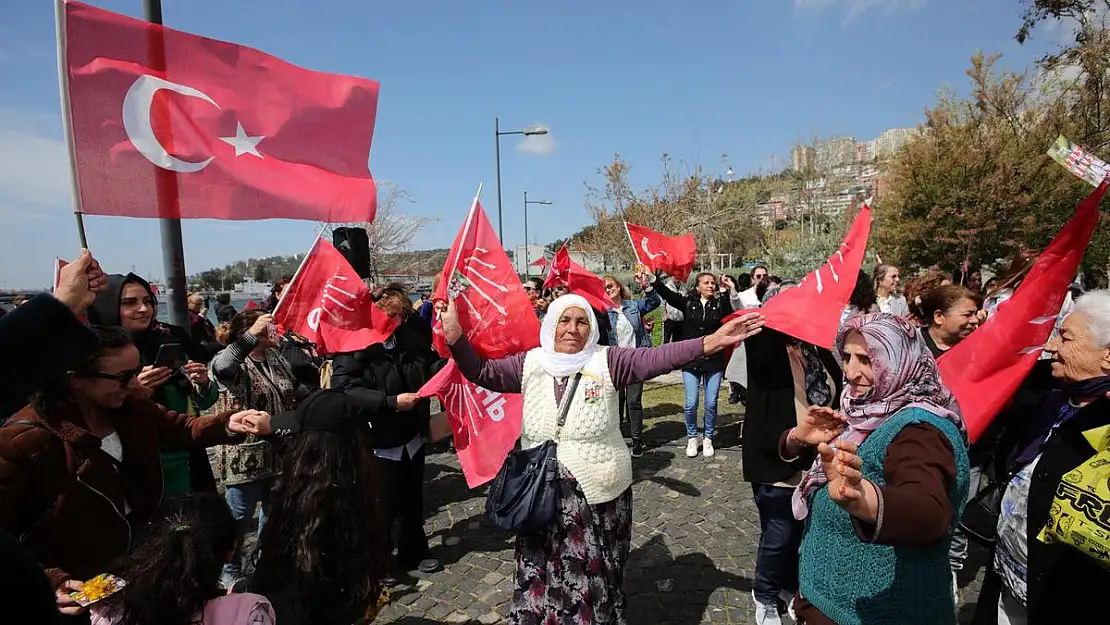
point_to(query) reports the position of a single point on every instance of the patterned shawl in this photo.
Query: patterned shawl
(905, 377)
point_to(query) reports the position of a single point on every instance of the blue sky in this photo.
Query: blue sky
(693, 79)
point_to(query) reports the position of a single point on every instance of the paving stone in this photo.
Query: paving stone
(695, 536)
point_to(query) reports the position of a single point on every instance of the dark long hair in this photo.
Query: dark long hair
(863, 295)
(175, 568)
(323, 540)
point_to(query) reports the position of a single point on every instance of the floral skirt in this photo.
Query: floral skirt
(573, 573)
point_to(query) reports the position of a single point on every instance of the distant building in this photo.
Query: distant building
(865, 152)
(892, 140)
(836, 152)
(803, 158)
(774, 210)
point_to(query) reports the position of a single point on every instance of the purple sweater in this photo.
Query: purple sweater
(627, 365)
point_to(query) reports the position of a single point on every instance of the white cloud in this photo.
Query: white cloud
(540, 145)
(855, 8)
(34, 166)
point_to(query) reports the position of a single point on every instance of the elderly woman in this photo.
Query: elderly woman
(885, 493)
(1038, 579)
(573, 572)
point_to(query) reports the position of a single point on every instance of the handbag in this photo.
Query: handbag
(522, 498)
(980, 518)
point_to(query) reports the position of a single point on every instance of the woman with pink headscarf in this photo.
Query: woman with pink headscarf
(887, 485)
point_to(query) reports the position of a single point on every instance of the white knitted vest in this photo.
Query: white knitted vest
(590, 444)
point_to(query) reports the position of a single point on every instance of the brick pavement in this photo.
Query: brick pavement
(695, 533)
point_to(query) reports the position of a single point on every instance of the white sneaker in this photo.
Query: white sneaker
(692, 447)
(766, 614)
(707, 448)
(788, 597)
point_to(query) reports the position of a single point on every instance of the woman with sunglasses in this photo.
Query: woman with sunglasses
(80, 473)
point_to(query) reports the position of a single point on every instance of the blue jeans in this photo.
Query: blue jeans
(780, 538)
(242, 500)
(691, 384)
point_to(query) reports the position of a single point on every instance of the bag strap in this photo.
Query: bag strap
(568, 395)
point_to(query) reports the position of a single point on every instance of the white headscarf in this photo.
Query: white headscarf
(558, 364)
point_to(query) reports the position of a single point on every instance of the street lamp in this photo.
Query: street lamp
(527, 256)
(497, 132)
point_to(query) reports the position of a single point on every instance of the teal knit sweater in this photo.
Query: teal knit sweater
(859, 583)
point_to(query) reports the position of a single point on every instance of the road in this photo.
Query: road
(695, 534)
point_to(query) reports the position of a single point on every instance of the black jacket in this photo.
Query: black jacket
(375, 377)
(698, 320)
(1060, 575)
(224, 312)
(770, 406)
(39, 341)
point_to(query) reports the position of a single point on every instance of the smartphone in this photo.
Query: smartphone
(169, 355)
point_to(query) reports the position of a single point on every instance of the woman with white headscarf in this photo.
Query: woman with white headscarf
(573, 571)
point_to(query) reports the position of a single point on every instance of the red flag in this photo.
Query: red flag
(250, 305)
(658, 252)
(563, 271)
(58, 265)
(539, 262)
(498, 319)
(328, 304)
(811, 311)
(985, 369)
(219, 130)
(493, 309)
(484, 424)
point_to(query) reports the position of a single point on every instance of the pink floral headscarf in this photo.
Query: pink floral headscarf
(905, 377)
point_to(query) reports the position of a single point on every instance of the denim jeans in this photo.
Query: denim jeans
(242, 500)
(691, 384)
(957, 550)
(780, 537)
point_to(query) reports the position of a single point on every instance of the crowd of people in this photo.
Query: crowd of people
(151, 452)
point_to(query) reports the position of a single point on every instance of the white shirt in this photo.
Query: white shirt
(396, 453)
(626, 334)
(748, 299)
(112, 446)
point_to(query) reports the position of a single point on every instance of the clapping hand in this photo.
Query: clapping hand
(842, 466)
(820, 425)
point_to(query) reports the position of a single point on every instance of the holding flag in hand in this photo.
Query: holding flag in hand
(673, 256)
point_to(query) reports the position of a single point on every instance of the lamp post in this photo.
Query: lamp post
(497, 132)
(527, 256)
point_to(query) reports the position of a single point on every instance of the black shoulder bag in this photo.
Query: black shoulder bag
(980, 519)
(522, 498)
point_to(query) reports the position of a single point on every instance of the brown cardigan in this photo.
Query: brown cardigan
(63, 497)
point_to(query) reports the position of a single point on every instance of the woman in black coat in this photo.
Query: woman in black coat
(383, 380)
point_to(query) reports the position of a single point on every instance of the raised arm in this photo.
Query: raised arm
(633, 365)
(501, 375)
(669, 296)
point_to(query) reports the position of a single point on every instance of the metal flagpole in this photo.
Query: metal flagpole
(67, 118)
(173, 249)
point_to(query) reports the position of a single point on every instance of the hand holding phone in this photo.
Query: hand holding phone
(169, 356)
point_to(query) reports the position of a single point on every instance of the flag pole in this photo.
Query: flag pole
(67, 118)
(297, 273)
(466, 228)
(634, 251)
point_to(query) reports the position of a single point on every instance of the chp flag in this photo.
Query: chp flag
(985, 369)
(1079, 161)
(219, 130)
(497, 319)
(329, 304)
(673, 256)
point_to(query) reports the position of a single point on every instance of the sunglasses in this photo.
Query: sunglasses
(123, 377)
(528, 288)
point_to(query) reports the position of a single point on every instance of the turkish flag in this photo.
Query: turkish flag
(658, 252)
(494, 311)
(811, 311)
(484, 424)
(563, 271)
(329, 304)
(985, 369)
(209, 128)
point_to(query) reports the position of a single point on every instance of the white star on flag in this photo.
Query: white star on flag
(243, 143)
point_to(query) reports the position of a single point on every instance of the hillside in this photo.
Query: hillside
(422, 262)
